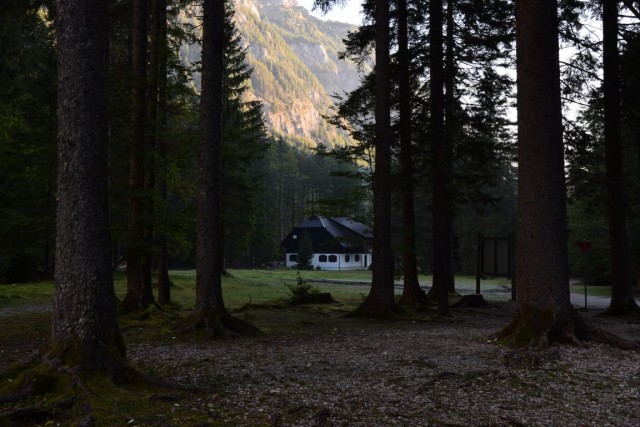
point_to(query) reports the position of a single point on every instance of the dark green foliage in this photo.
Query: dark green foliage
(481, 38)
(172, 217)
(244, 140)
(586, 176)
(305, 253)
(27, 141)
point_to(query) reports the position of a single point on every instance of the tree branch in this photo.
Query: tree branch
(629, 5)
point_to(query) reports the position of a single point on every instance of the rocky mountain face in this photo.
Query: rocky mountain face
(296, 68)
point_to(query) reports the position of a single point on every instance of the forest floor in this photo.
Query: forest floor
(315, 367)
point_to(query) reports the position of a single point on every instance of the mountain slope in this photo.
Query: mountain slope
(296, 68)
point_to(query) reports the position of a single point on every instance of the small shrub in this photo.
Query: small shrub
(303, 293)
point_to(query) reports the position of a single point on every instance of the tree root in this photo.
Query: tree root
(130, 304)
(628, 309)
(216, 323)
(537, 330)
(47, 392)
(473, 300)
(415, 301)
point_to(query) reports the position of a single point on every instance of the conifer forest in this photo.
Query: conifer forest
(155, 154)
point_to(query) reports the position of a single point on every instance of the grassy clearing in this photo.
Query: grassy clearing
(600, 291)
(266, 286)
(21, 294)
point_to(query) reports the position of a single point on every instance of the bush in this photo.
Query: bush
(303, 293)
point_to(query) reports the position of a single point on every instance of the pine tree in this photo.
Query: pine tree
(622, 299)
(27, 141)
(209, 300)
(412, 294)
(139, 291)
(244, 141)
(305, 252)
(380, 301)
(84, 333)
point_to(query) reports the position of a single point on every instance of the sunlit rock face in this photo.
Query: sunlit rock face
(296, 69)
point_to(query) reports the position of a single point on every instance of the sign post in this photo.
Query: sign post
(584, 245)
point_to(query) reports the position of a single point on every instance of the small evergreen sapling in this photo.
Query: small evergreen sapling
(305, 252)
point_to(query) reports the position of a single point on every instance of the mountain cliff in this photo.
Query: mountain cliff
(295, 64)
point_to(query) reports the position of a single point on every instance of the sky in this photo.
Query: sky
(349, 13)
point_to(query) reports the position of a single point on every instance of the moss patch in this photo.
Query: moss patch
(44, 395)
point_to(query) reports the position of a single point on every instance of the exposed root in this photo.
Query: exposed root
(252, 306)
(473, 300)
(536, 330)
(130, 304)
(216, 323)
(414, 301)
(49, 393)
(627, 309)
(597, 335)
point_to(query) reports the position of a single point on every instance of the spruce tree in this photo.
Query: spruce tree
(305, 252)
(244, 141)
(84, 333)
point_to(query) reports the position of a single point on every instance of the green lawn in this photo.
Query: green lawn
(263, 286)
(600, 291)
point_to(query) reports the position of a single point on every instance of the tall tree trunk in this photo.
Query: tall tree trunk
(544, 310)
(164, 283)
(138, 295)
(622, 300)
(412, 294)
(210, 311)
(151, 160)
(84, 330)
(380, 301)
(441, 171)
(208, 268)
(450, 122)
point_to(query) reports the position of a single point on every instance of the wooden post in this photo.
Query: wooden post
(479, 257)
(512, 264)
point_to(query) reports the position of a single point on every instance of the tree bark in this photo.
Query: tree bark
(622, 299)
(139, 292)
(208, 268)
(380, 301)
(412, 294)
(441, 169)
(84, 330)
(450, 122)
(544, 310)
(164, 282)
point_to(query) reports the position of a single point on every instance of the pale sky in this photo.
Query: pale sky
(349, 13)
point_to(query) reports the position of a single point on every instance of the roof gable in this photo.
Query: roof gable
(338, 235)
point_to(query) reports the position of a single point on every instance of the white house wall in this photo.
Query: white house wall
(362, 263)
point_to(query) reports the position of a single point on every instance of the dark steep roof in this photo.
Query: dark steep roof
(330, 235)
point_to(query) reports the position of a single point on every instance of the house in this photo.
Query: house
(339, 243)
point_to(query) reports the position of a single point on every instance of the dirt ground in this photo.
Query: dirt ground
(314, 367)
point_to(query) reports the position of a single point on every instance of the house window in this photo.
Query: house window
(333, 258)
(322, 258)
(357, 258)
(293, 257)
(347, 258)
